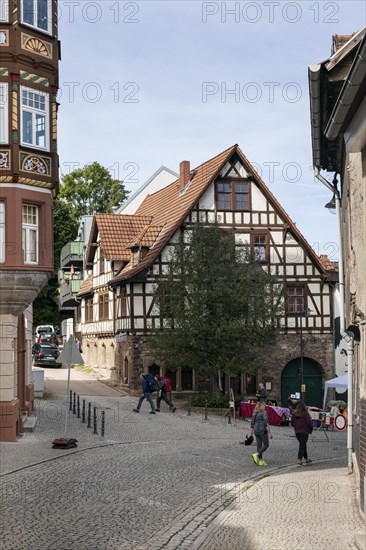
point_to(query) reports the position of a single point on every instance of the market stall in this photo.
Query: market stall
(339, 382)
(276, 415)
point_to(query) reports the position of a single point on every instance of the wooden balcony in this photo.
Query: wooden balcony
(68, 291)
(72, 254)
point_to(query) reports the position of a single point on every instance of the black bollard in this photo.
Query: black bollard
(206, 410)
(78, 407)
(102, 428)
(89, 415)
(83, 413)
(74, 404)
(229, 416)
(70, 402)
(189, 405)
(95, 420)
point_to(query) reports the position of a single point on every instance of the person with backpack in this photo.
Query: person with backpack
(165, 388)
(146, 394)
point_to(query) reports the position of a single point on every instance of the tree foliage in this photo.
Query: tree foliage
(91, 189)
(219, 306)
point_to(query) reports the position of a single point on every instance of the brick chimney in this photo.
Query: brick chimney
(184, 173)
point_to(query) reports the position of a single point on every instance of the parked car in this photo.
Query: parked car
(45, 355)
(48, 339)
(43, 330)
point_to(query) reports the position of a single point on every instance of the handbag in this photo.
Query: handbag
(248, 440)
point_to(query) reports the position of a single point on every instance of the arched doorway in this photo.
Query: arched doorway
(291, 381)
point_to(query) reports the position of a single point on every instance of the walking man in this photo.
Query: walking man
(145, 395)
(165, 388)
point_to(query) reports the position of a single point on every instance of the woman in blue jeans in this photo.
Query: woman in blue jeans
(301, 421)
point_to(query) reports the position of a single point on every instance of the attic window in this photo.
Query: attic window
(232, 195)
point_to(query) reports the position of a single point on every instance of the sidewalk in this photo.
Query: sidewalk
(307, 508)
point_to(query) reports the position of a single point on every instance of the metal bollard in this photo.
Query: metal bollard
(89, 415)
(83, 413)
(95, 431)
(78, 407)
(189, 405)
(70, 401)
(229, 417)
(102, 428)
(74, 404)
(205, 410)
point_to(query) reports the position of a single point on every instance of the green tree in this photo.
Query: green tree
(218, 305)
(91, 189)
(84, 191)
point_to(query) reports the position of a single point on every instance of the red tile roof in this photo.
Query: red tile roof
(115, 232)
(86, 287)
(170, 206)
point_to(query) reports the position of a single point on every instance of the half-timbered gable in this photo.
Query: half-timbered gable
(227, 191)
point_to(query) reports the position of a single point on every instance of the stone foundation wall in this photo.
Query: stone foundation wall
(318, 347)
(100, 355)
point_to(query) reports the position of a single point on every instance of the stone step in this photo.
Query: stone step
(29, 423)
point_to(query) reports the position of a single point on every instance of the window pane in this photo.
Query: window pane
(40, 131)
(241, 202)
(28, 12)
(27, 127)
(42, 19)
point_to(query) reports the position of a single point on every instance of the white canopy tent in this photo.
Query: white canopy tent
(339, 382)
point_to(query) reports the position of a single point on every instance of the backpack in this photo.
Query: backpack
(166, 384)
(151, 382)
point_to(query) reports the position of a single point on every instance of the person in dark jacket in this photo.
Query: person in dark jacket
(261, 394)
(164, 389)
(260, 426)
(301, 421)
(146, 394)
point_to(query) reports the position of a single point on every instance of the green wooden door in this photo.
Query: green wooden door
(291, 382)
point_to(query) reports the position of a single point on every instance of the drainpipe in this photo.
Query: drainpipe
(347, 336)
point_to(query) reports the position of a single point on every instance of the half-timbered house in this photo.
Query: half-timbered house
(118, 299)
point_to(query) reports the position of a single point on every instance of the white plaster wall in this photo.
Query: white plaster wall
(259, 201)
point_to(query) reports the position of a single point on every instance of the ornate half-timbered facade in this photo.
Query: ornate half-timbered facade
(29, 51)
(118, 301)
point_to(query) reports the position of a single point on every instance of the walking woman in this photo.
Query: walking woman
(301, 421)
(260, 426)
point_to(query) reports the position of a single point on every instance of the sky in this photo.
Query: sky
(151, 83)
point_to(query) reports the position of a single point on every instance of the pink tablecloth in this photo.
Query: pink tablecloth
(275, 414)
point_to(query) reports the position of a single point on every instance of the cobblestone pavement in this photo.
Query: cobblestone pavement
(169, 481)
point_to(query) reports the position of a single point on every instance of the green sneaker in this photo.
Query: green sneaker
(255, 458)
(262, 463)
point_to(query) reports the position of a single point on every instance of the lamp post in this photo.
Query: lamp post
(305, 312)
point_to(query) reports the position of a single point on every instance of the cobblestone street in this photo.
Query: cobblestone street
(164, 481)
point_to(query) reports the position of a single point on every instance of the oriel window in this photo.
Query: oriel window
(30, 233)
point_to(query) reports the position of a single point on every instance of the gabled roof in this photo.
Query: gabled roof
(86, 287)
(170, 207)
(147, 237)
(115, 232)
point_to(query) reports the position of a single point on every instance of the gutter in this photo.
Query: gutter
(348, 93)
(315, 110)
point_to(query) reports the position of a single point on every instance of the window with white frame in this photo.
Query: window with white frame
(2, 231)
(4, 11)
(4, 116)
(30, 233)
(35, 118)
(37, 14)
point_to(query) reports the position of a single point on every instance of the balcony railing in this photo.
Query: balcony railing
(68, 291)
(72, 254)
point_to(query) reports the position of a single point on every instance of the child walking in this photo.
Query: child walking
(260, 427)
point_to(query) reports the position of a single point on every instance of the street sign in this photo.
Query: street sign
(340, 422)
(70, 354)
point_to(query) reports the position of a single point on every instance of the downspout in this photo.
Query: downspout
(347, 336)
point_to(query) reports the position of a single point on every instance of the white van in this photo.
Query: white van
(43, 330)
